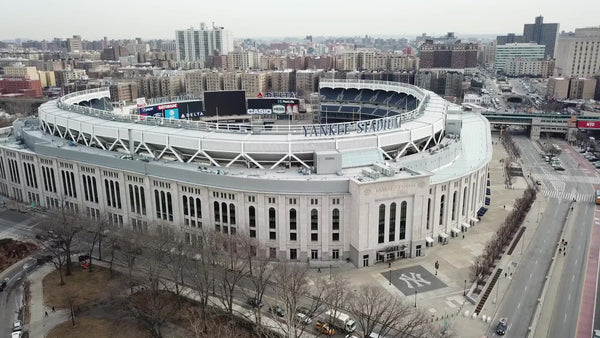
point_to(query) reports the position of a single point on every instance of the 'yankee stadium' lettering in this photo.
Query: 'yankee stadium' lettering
(369, 126)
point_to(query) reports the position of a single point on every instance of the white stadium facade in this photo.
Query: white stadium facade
(390, 170)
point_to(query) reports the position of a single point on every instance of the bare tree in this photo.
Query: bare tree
(374, 307)
(293, 288)
(96, 227)
(64, 224)
(151, 303)
(202, 270)
(128, 245)
(231, 270)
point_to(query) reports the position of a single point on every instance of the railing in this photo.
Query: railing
(227, 127)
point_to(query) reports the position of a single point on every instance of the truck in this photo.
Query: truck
(341, 321)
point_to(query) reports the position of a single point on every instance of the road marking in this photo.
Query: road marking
(569, 296)
(518, 305)
(573, 278)
(530, 275)
(575, 261)
(565, 318)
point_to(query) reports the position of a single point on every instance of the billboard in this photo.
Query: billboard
(189, 110)
(226, 102)
(267, 106)
(588, 124)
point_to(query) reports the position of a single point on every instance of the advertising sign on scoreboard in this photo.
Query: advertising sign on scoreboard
(188, 110)
(588, 124)
(267, 106)
(140, 102)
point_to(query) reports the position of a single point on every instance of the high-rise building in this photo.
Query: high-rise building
(283, 80)
(574, 88)
(30, 73)
(578, 53)
(74, 44)
(542, 33)
(307, 81)
(538, 32)
(517, 50)
(532, 67)
(198, 45)
(254, 83)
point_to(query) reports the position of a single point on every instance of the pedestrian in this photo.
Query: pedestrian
(390, 265)
(46, 312)
(53, 310)
(559, 250)
(505, 274)
(565, 253)
(319, 270)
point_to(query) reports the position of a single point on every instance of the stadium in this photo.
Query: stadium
(382, 171)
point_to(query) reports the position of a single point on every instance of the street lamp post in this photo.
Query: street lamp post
(329, 271)
(465, 289)
(390, 279)
(415, 298)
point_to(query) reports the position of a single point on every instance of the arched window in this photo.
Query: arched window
(231, 214)
(314, 220)
(251, 217)
(454, 205)
(428, 213)
(335, 219)
(143, 200)
(224, 212)
(392, 232)
(403, 207)
(442, 202)
(157, 202)
(169, 206)
(292, 219)
(185, 204)
(191, 207)
(131, 198)
(464, 202)
(381, 223)
(272, 221)
(198, 207)
(217, 212)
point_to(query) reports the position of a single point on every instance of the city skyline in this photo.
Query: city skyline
(153, 19)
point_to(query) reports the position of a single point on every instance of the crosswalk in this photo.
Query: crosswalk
(568, 195)
(564, 178)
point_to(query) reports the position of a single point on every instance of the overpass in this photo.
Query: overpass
(537, 123)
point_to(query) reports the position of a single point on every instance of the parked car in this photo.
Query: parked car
(278, 311)
(303, 319)
(324, 328)
(501, 327)
(16, 334)
(83, 257)
(255, 303)
(17, 326)
(538, 182)
(559, 168)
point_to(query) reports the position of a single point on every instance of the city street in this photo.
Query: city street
(519, 304)
(14, 224)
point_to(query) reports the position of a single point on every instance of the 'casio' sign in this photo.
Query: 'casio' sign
(259, 111)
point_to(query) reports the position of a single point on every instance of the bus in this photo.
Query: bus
(597, 197)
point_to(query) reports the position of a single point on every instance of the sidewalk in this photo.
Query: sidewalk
(455, 259)
(40, 325)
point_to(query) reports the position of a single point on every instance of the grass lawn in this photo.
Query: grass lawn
(82, 287)
(91, 327)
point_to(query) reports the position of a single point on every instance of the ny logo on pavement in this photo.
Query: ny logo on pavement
(414, 278)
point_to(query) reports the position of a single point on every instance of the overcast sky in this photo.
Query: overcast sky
(46, 19)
